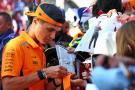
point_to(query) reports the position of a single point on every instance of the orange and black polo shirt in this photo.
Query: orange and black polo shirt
(23, 54)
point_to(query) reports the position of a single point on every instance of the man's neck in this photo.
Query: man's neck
(32, 35)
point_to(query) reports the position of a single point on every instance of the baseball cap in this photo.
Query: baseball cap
(49, 13)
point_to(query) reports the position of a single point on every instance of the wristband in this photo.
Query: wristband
(42, 75)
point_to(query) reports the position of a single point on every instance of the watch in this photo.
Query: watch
(42, 75)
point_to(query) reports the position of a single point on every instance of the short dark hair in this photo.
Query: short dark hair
(106, 5)
(6, 17)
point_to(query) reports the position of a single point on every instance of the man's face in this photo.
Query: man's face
(3, 25)
(45, 32)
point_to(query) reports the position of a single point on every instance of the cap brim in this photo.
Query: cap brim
(39, 13)
(32, 14)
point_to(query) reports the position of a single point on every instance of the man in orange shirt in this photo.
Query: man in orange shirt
(23, 65)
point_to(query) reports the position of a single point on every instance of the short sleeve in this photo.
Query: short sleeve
(11, 59)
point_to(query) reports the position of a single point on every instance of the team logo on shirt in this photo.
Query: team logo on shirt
(35, 60)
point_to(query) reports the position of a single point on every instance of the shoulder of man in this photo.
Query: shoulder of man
(15, 42)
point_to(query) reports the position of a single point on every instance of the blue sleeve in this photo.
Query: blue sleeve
(4, 42)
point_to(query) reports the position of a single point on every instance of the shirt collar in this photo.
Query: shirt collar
(29, 40)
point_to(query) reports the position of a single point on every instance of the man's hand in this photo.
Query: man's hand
(79, 82)
(86, 75)
(55, 71)
(71, 49)
(123, 18)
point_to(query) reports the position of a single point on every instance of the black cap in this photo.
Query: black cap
(49, 13)
(54, 12)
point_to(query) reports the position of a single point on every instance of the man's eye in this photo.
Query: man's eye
(51, 30)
